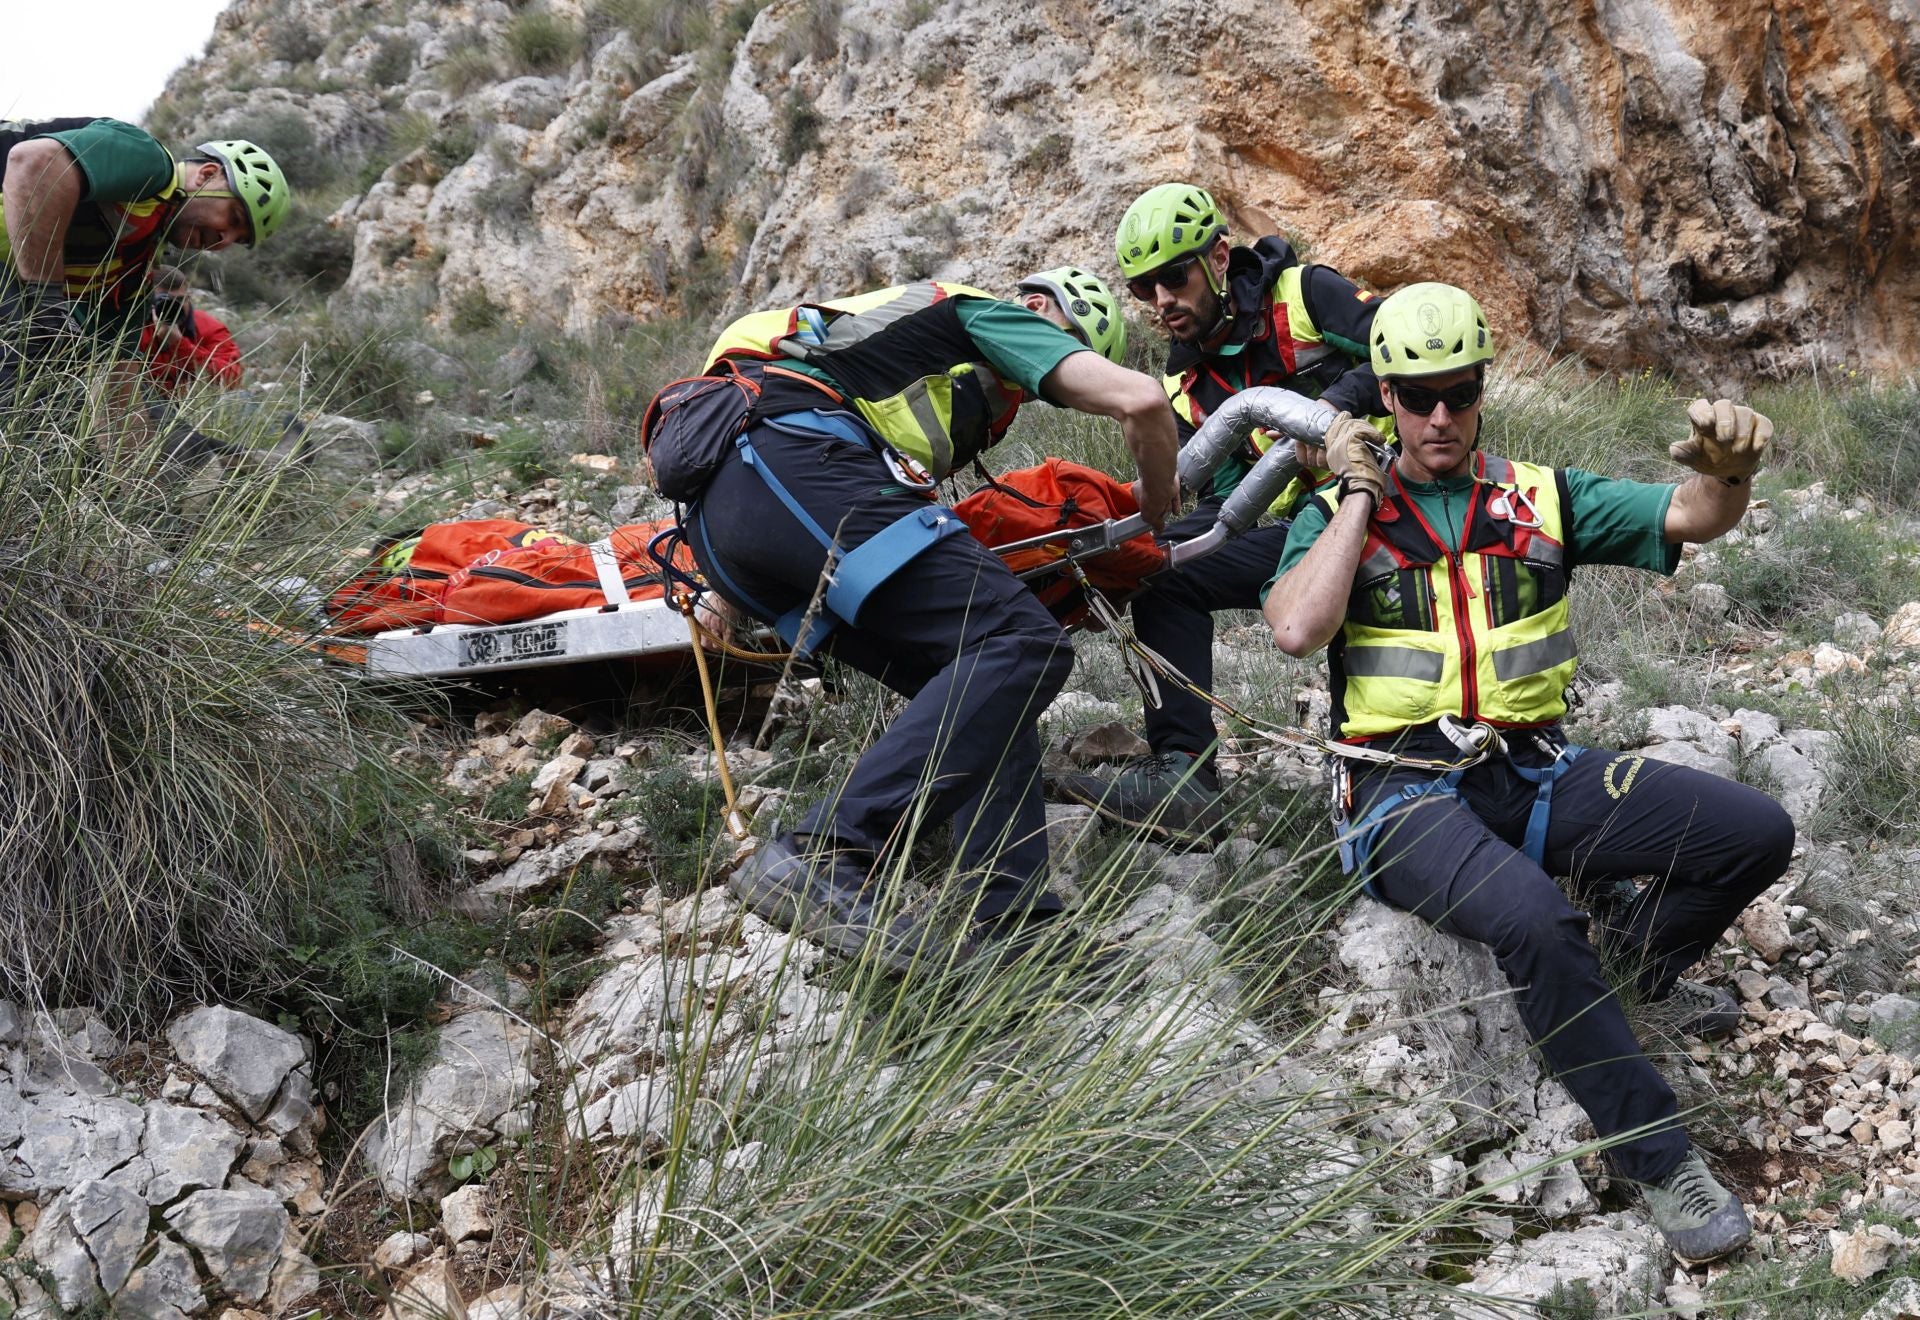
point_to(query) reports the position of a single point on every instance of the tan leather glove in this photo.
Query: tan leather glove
(1351, 457)
(1729, 440)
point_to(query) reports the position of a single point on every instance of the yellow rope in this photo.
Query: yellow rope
(736, 824)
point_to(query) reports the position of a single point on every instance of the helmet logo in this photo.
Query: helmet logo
(1436, 343)
(1081, 307)
(1130, 232)
(1430, 323)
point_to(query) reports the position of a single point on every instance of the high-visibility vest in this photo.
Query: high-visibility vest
(939, 418)
(1481, 634)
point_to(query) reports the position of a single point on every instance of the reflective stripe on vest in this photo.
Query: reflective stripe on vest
(1489, 636)
(917, 419)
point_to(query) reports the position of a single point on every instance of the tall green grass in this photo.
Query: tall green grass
(180, 780)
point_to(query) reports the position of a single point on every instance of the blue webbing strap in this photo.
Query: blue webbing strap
(1535, 843)
(856, 574)
(863, 569)
(1357, 842)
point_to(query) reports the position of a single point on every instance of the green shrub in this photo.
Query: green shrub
(668, 26)
(392, 63)
(295, 41)
(466, 70)
(1810, 569)
(540, 41)
(472, 311)
(799, 128)
(356, 371)
(452, 145)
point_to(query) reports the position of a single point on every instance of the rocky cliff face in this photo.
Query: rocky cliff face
(1727, 188)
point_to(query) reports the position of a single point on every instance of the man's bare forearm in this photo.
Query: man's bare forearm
(1307, 604)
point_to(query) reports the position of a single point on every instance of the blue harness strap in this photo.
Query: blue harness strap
(1534, 845)
(857, 573)
(1357, 841)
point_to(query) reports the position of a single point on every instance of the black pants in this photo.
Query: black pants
(1710, 844)
(1175, 618)
(953, 630)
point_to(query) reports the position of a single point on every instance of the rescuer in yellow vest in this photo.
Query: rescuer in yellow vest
(860, 405)
(1237, 316)
(1439, 586)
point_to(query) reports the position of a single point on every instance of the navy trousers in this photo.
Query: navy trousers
(1175, 618)
(954, 631)
(1711, 845)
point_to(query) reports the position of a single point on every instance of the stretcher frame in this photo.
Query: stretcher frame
(655, 629)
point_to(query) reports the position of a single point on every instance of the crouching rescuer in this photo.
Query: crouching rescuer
(809, 452)
(1438, 582)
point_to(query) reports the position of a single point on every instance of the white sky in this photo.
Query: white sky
(95, 57)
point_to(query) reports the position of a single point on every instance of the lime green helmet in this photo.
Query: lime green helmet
(1427, 329)
(255, 181)
(1087, 303)
(1166, 222)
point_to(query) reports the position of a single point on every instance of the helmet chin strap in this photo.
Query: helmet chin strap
(1223, 313)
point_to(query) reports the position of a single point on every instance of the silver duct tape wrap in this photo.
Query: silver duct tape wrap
(1292, 415)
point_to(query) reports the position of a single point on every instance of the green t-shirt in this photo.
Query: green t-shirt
(1615, 521)
(1022, 346)
(121, 163)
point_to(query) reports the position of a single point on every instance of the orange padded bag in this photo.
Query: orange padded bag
(1057, 495)
(508, 586)
(402, 589)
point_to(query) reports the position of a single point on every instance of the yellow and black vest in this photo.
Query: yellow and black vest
(110, 246)
(1482, 634)
(900, 357)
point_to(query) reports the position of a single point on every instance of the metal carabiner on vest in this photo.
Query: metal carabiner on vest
(1516, 507)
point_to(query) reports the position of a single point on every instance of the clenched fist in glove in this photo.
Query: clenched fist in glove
(1350, 454)
(1728, 441)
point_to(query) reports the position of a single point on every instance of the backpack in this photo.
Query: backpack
(402, 589)
(689, 427)
(1054, 496)
(507, 586)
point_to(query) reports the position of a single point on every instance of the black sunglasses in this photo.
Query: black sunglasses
(1421, 400)
(1172, 277)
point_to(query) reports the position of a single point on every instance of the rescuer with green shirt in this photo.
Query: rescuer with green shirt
(1237, 316)
(87, 205)
(1438, 579)
(860, 406)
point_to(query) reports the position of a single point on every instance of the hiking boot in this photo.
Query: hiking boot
(1693, 1009)
(1700, 1219)
(821, 893)
(1171, 793)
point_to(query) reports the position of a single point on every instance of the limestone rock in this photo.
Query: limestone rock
(89, 1239)
(1855, 631)
(1902, 632)
(464, 1215)
(402, 1249)
(1689, 754)
(1862, 1253)
(1112, 741)
(430, 1294)
(244, 1059)
(1679, 724)
(1764, 923)
(166, 1287)
(536, 869)
(479, 1073)
(69, 1139)
(1620, 1259)
(238, 1234)
(189, 1149)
